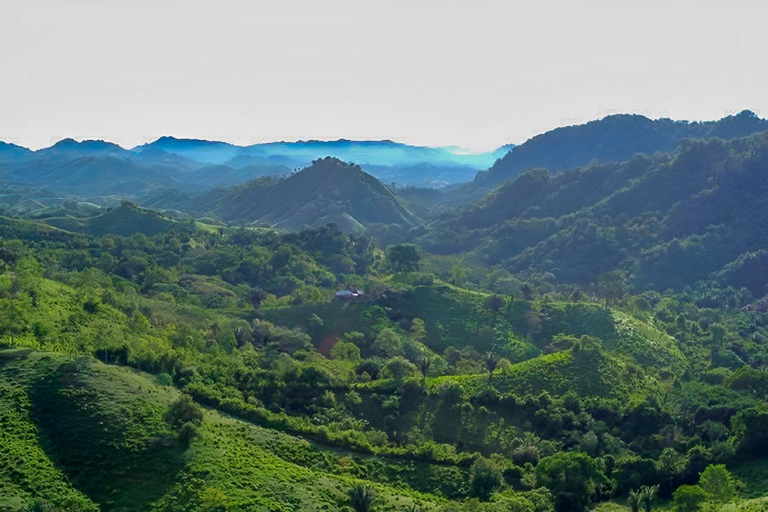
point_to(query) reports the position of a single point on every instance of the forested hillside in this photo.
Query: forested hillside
(205, 368)
(614, 138)
(668, 221)
(377, 256)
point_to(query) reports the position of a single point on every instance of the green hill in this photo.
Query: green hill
(588, 374)
(327, 191)
(79, 433)
(91, 175)
(124, 220)
(207, 368)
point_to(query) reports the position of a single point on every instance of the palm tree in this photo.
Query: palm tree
(491, 362)
(362, 497)
(38, 505)
(649, 494)
(635, 499)
(424, 364)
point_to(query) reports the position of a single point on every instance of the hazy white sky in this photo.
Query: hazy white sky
(473, 73)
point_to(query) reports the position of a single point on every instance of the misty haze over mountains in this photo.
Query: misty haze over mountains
(193, 176)
(212, 163)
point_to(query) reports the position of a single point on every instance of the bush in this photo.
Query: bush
(526, 454)
(184, 410)
(450, 393)
(187, 432)
(485, 477)
(689, 498)
(399, 368)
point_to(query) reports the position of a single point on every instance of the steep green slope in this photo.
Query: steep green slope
(98, 429)
(26, 471)
(79, 433)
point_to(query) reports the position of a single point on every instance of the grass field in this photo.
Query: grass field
(79, 432)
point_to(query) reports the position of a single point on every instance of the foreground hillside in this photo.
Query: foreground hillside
(213, 369)
(87, 436)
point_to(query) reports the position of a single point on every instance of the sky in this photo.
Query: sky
(471, 73)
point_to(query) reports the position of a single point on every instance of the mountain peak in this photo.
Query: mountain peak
(87, 143)
(326, 191)
(747, 114)
(10, 146)
(171, 141)
(332, 161)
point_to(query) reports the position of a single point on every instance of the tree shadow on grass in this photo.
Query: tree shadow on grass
(114, 447)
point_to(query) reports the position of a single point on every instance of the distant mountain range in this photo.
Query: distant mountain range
(264, 186)
(93, 169)
(387, 160)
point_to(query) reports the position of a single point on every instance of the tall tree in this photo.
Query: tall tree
(649, 494)
(491, 363)
(612, 286)
(572, 477)
(403, 257)
(718, 483)
(485, 477)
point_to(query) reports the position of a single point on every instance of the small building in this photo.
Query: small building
(349, 294)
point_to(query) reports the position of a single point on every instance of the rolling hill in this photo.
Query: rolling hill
(124, 220)
(92, 176)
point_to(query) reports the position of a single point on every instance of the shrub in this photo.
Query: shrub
(184, 410)
(572, 478)
(718, 483)
(485, 477)
(187, 432)
(689, 498)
